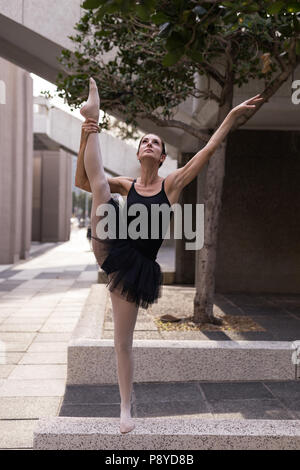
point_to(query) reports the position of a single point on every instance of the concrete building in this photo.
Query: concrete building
(38, 143)
(258, 248)
(56, 141)
(16, 137)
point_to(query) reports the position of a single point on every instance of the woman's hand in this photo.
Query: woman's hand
(89, 126)
(243, 107)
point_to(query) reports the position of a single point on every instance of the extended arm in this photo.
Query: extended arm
(85, 179)
(82, 179)
(193, 167)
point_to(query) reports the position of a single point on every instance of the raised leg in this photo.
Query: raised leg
(93, 165)
(124, 316)
(124, 312)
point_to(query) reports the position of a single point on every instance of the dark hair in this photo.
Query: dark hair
(163, 148)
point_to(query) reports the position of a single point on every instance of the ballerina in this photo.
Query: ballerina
(134, 276)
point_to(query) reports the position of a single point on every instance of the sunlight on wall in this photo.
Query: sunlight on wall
(39, 85)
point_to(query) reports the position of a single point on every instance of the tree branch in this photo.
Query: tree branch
(207, 94)
(179, 125)
(269, 91)
(277, 56)
(215, 74)
(229, 63)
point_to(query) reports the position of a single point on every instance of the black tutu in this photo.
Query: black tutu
(139, 278)
(133, 274)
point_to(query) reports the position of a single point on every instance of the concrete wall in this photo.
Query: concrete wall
(259, 231)
(15, 163)
(37, 197)
(52, 196)
(54, 128)
(33, 33)
(34, 15)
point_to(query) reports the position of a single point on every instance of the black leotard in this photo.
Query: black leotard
(132, 262)
(150, 246)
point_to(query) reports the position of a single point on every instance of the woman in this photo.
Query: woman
(134, 276)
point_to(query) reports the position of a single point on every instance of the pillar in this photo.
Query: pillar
(16, 120)
(52, 195)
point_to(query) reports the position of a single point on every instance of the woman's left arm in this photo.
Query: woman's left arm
(191, 169)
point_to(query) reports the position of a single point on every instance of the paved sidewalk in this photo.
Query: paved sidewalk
(271, 317)
(209, 400)
(40, 302)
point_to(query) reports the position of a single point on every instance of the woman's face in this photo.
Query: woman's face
(150, 147)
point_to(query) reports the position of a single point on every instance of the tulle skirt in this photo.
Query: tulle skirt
(135, 276)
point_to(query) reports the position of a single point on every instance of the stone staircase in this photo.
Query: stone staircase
(91, 362)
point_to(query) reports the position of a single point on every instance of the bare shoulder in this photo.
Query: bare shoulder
(126, 182)
(120, 184)
(174, 185)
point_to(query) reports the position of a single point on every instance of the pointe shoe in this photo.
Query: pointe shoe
(91, 108)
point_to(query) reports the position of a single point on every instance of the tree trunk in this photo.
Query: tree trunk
(185, 259)
(206, 256)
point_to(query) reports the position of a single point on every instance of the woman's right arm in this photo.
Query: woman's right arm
(81, 177)
(120, 184)
(117, 184)
(92, 159)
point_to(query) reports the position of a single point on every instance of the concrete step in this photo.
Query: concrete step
(167, 360)
(171, 361)
(58, 433)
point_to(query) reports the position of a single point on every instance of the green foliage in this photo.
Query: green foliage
(144, 54)
(47, 94)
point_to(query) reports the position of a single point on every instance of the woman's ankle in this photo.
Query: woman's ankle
(126, 410)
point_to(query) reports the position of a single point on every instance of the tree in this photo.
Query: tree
(145, 57)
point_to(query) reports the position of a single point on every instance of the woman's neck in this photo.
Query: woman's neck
(148, 177)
